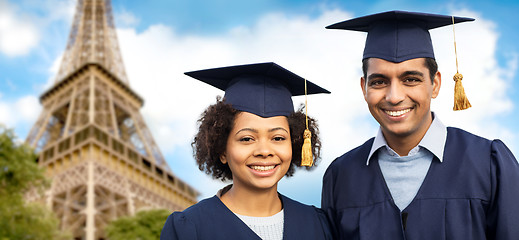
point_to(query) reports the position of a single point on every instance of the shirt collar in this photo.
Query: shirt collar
(434, 140)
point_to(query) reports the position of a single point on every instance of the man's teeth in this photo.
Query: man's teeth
(263, 168)
(398, 113)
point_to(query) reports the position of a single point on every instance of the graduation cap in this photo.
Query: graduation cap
(398, 36)
(264, 89)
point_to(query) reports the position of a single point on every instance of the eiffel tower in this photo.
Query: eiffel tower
(93, 141)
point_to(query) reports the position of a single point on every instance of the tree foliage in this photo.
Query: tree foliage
(19, 173)
(18, 169)
(145, 225)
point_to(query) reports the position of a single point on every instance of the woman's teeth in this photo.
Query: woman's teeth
(263, 168)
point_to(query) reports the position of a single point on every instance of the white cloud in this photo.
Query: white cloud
(18, 35)
(20, 112)
(156, 59)
(28, 108)
(5, 114)
(125, 19)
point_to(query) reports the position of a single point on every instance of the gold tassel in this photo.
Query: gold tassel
(307, 159)
(306, 153)
(461, 102)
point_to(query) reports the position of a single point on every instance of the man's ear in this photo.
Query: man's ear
(363, 86)
(437, 83)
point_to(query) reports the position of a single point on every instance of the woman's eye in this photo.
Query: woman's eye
(246, 139)
(278, 139)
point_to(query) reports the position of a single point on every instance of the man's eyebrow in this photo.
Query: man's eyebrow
(407, 73)
(376, 75)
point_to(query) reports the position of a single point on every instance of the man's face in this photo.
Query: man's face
(399, 97)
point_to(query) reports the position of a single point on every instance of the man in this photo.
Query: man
(417, 179)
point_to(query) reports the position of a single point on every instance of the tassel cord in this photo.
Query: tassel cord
(461, 101)
(306, 151)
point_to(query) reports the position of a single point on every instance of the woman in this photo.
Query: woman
(254, 138)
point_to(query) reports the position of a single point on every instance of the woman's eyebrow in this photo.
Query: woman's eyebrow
(256, 131)
(247, 129)
(278, 128)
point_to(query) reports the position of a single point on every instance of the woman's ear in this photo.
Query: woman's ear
(223, 159)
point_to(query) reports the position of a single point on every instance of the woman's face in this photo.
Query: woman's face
(259, 151)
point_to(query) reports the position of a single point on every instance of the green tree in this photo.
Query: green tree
(19, 173)
(145, 225)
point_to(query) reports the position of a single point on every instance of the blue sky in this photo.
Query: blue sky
(160, 40)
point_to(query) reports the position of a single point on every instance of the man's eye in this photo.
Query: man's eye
(412, 80)
(375, 83)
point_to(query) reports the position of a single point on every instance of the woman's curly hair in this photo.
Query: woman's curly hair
(215, 125)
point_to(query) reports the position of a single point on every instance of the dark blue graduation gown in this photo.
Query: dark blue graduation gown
(211, 219)
(473, 194)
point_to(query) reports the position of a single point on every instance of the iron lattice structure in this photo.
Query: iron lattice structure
(93, 40)
(92, 139)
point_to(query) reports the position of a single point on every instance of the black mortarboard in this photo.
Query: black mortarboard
(264, 89)
(397, 36)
